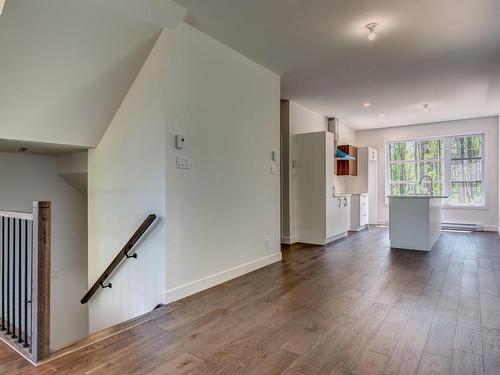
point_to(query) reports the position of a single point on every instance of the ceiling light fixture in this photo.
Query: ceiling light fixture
(367, 104)
(2, 2)
(371, 30)
(381, 115)
(426, 107)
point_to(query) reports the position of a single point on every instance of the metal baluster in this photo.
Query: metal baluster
(8, 276)
(26, 247)
(31, 283)
(20, 281)
(3, 274)
(14, 238)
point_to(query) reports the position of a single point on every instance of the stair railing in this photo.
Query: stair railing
(25, 240)
(123, 254)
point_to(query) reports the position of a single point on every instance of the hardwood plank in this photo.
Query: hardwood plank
(468, 338)
(433, 365)
(371, 363)
(185, 363)
(387, 337)
(442, 334)
(491, 348)
(353, 351)
(275, 364)
(406, 357)
(467, 364)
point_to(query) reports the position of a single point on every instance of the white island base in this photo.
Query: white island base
(414, 221)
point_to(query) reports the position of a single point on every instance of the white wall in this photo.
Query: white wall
(126, 173)
(347, 136)
(27, 178)
(487, 217)
(216, 216)
(222, 210)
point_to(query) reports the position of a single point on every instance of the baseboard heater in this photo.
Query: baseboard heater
(462, 227)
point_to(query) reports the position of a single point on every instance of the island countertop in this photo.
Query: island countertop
(415, 221)
(417, 196)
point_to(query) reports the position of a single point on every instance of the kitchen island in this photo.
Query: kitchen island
(415, 221)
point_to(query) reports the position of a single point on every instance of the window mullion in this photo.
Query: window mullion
(447, 166)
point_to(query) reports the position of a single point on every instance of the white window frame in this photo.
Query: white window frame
(447, 167)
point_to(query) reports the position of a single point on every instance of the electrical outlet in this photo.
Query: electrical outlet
(267, 243)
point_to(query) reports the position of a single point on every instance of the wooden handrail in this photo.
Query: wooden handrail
(119, 257)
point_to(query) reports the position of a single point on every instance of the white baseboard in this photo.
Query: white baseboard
(490, 228)
(288, 240)
(196, 286)
(337, 237)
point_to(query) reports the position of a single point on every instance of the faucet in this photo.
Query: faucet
(431, 190)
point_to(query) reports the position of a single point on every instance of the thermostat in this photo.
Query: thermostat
(179, 141)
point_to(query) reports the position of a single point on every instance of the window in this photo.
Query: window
(466, 171)
(454, 163)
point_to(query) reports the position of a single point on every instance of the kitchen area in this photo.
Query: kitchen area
(328, 189)
(333, 191)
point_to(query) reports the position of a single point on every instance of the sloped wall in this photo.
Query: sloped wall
(126, 175)
(220, 218)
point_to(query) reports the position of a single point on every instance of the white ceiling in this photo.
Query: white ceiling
(445, 53)
(66, 65)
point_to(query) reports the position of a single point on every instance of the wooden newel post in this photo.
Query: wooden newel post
(41, 281)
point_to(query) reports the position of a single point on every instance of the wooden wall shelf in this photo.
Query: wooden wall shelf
(348, 167)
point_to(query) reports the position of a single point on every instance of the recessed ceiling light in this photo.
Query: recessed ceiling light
(371, 30)
(367, 104)
(426, 107)
(381, 115)
(2, 2)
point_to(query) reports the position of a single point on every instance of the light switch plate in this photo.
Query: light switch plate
(182, 162)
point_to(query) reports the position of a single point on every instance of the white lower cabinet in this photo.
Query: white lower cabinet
(339, 212)
(359, 212)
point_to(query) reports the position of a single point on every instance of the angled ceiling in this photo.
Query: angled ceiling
(445, 53)
(66, 65)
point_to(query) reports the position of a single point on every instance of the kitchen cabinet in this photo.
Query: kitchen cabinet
(324, 215)
(367, 180)
(359, 212)
(348, 167)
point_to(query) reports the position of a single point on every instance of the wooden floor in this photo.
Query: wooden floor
(356, 307)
